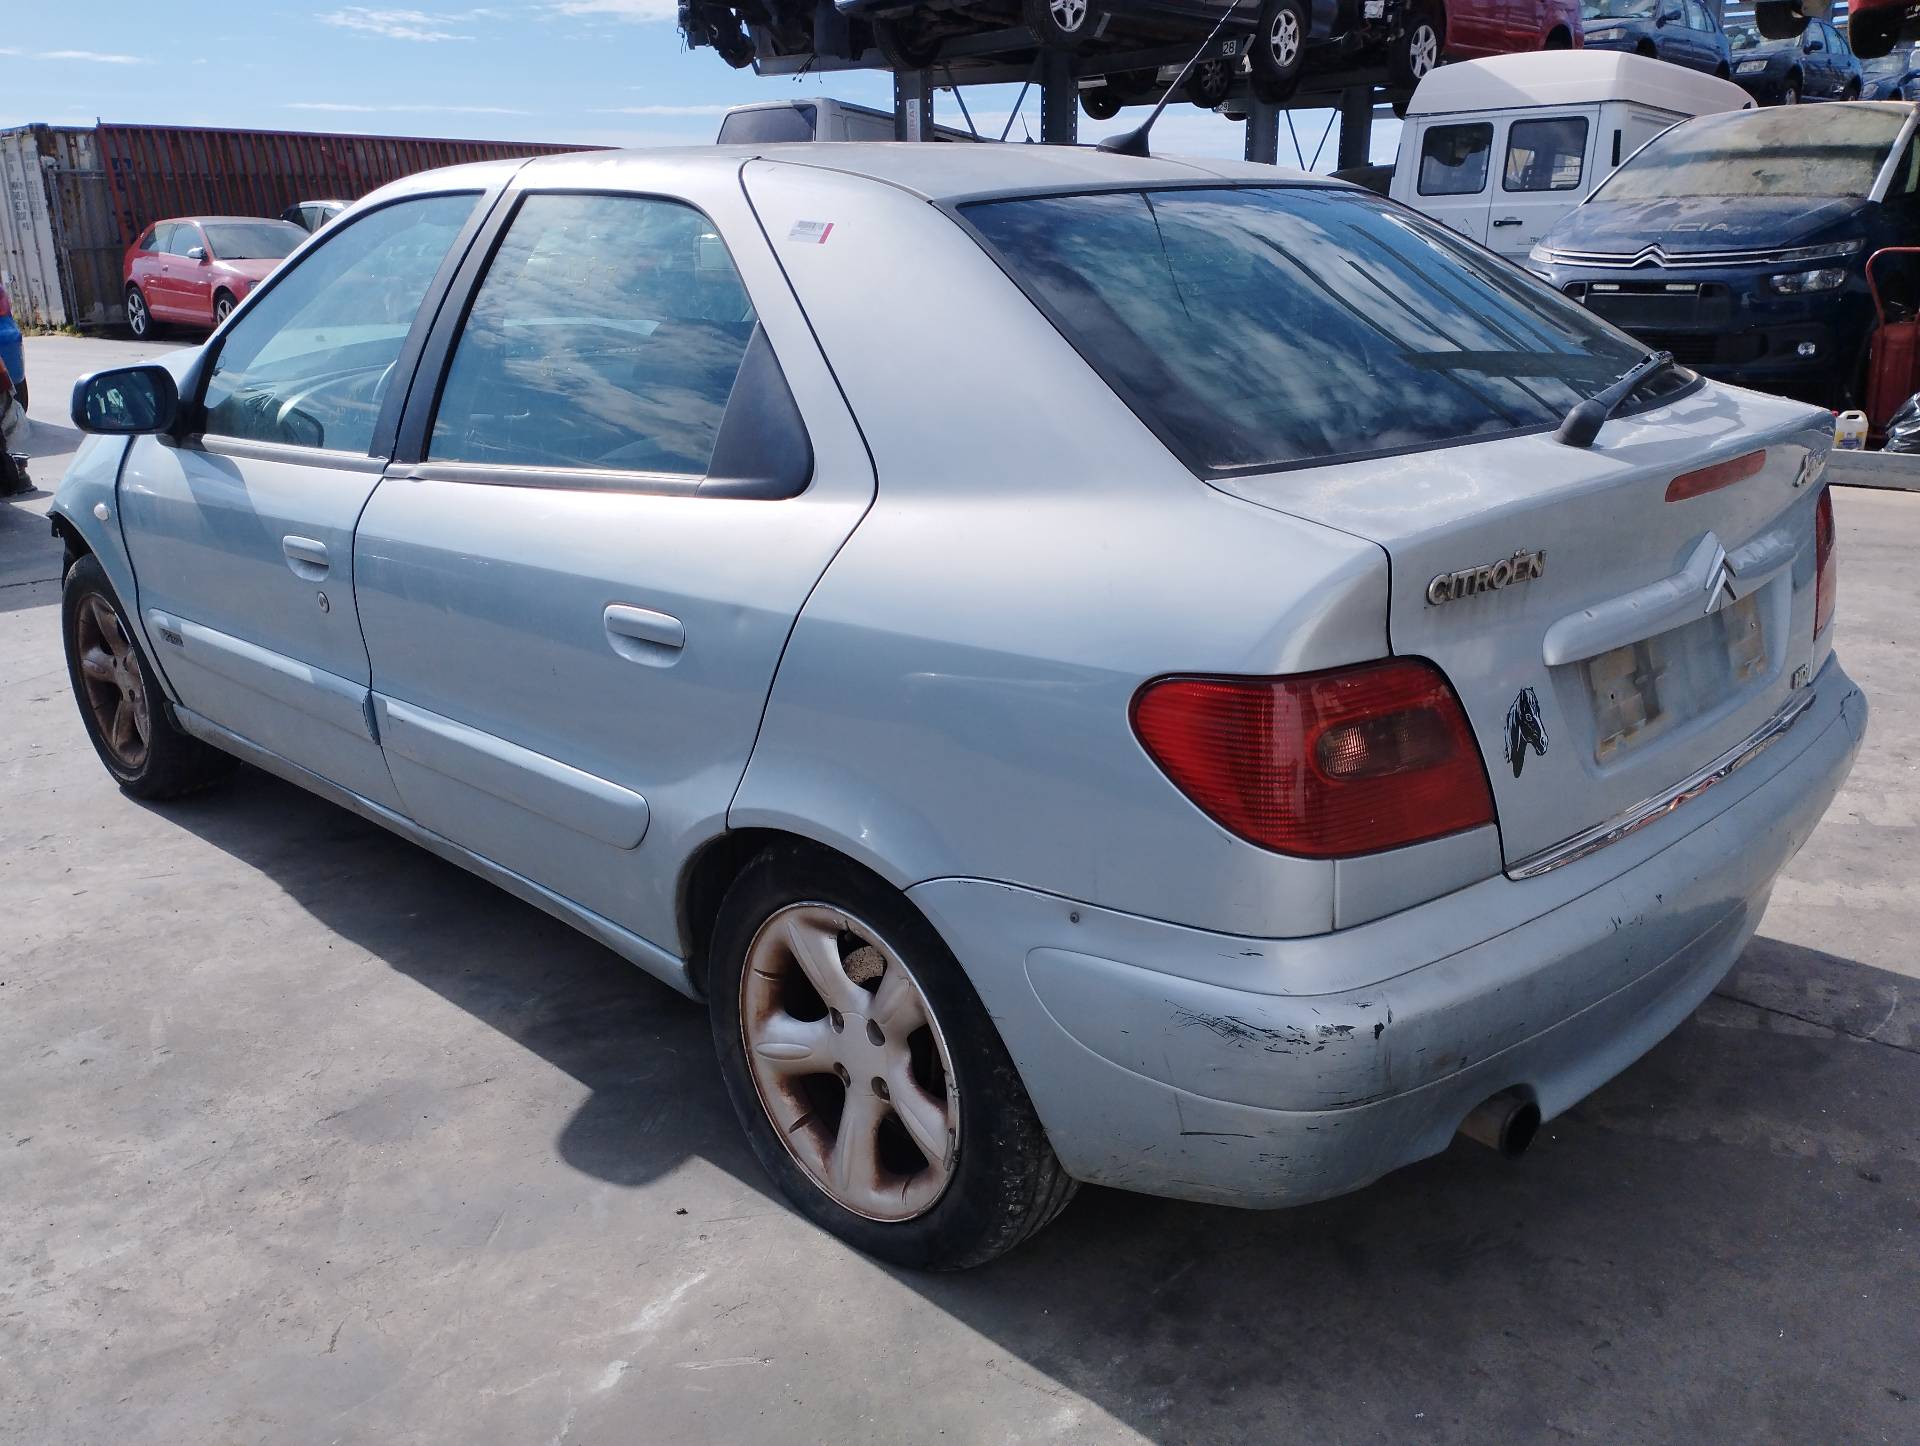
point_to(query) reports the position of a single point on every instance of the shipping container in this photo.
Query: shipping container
(73, 198)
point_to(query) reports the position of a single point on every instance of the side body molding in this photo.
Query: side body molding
(571, 797)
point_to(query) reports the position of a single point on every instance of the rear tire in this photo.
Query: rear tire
(12, 482)
(797, 914)
(139, 317)
(1416, 50)
(1210, 83)
(1558, 39)
(1279, 50)
(1101, 103)
(121, 702)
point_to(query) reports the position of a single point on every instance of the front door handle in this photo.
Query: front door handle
(1508, 221)
(308, 559)
(642, 635)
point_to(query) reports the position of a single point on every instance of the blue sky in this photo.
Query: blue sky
(603, 72)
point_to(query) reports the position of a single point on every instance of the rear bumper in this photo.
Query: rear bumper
(1273, 1072)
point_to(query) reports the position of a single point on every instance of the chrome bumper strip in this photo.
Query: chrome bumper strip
(1640, 815)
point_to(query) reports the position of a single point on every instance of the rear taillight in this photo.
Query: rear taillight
(1826, 587)
(1322, 765)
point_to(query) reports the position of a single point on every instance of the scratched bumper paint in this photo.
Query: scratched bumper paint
(1273, 1072)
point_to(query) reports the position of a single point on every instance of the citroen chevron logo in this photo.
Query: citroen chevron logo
(1719, 584)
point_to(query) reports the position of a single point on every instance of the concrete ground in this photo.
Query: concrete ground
(306, 1136)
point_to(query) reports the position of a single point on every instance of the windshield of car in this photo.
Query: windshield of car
(1618, 9)
(1745, 37)
(252, 240)
(1898, 63)
(1255, 328)
(1834, 150)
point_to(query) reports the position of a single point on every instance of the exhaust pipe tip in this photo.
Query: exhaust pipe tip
(1506, 1123)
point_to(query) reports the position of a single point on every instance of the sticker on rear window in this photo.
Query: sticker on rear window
(814, 233)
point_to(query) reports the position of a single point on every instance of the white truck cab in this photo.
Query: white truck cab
(819, 119)
(1501, 148)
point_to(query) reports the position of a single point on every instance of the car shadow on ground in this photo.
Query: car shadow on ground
(1725, 1240)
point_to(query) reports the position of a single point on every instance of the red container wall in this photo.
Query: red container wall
(153, 172)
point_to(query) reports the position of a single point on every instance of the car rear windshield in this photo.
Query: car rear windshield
(767, 125)
(252, 240)
(1255, 328)
(1825, 151)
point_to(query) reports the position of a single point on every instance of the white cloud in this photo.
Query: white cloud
(664, 110)
(337, 107)
(97, 57)
(620, 9)
(396, 24)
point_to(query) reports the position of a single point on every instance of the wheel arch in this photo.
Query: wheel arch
(712, 869)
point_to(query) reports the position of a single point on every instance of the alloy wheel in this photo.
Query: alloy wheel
(1069, 15)
(116, 688)
(1283, 38)
(1423, 50)
(849, 1062)
(222, 309)
(136, 313)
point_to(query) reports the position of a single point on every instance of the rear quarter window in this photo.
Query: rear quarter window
(769, 126)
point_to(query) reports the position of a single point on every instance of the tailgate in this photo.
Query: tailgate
(1650, 637)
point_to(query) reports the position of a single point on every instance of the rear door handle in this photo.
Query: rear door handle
(307, 558)
(1508, 221)
(642, 635)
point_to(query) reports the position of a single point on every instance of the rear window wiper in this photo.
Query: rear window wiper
(1582, 424)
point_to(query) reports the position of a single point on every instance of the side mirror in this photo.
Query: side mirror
(196, 253)
(126, 401)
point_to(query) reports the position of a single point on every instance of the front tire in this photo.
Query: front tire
(1417, 49)
(1101, 103)
(1790, 92)
(1279, 50)
(223, 305)
(121, 703)
(863, 1067)
(139, 315)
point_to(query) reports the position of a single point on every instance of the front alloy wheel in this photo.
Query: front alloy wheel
(223, 305)
(113, 687)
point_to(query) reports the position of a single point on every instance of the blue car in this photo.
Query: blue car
(1894, 76)
(1739, 242)
(1816, 64)
(13, 355)
(1680, 32)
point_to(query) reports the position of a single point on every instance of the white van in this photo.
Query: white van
(814, 120)
(1502, 148)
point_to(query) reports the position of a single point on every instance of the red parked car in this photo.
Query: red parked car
(194, 270)
(1436, 30)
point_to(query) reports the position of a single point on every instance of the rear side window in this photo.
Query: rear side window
(606, 335)
(1262, 327)
(1545, 155)
(1829, 150)
(1453, 160)
(774, 124)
